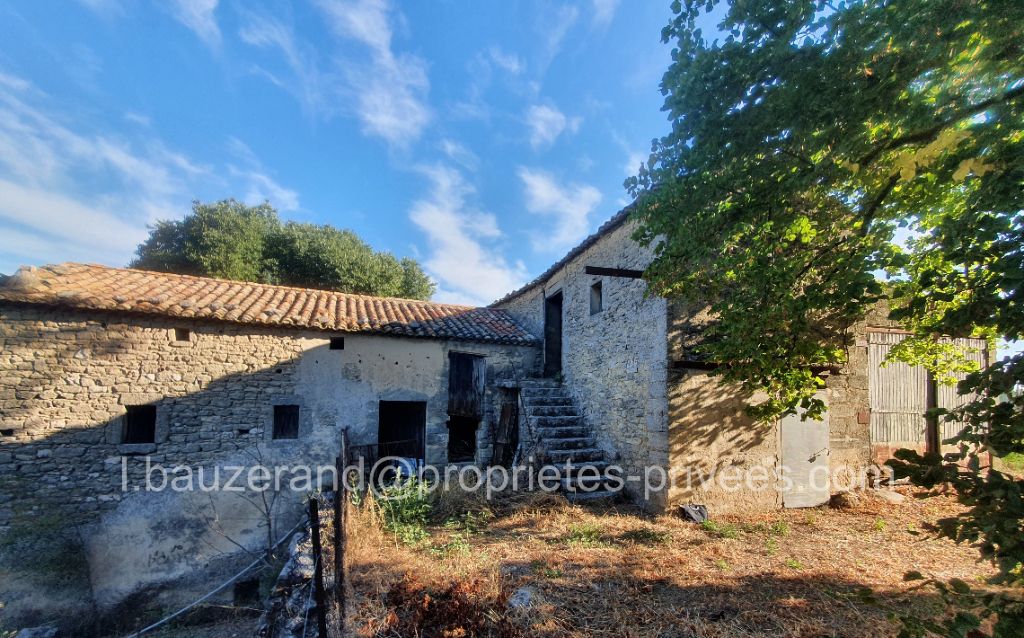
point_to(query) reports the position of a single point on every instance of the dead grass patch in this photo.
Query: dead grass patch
(616, 571)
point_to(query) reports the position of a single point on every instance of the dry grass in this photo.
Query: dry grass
(618, 572)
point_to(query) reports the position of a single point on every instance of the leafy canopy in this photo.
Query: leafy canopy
(816, 145)
(231, 240)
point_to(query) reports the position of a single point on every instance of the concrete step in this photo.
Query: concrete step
(569, 443)
(532, 394)
(553, 410)
(577, 456)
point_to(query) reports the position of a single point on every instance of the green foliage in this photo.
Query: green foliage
(405, 510)
(586, 535)
(793, 563)
(721, 530)
(970, 607)
(818, 144)
(231, 240)
(646, 536)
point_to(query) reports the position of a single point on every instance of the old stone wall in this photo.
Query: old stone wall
(613, 361)
(66, 378)
(708, 426)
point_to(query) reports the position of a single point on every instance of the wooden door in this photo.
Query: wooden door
(467, 378)
(553, 335)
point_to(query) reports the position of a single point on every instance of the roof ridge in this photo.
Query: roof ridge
(161, 273)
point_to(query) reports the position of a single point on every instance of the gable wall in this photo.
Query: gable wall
(613, 362)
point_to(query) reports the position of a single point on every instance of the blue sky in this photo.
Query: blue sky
(482, 138)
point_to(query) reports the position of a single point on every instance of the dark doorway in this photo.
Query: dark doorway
(402, 429)
(467, 378)
(462, 439)
(553, 335)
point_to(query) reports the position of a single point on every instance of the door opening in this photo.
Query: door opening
(402, 429)
(462, 439)
(553, 335)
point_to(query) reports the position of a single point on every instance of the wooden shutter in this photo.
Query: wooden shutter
(467, 378)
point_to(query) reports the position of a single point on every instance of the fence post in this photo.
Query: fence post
(340, 505)
(318, 567)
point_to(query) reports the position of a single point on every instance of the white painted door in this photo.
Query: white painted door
(805, 461)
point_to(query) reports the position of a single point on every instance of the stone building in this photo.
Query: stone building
(104, 370)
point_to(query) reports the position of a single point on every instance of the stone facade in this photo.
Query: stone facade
(614, 362)
(67, 377)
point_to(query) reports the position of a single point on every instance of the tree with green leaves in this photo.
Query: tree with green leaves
(816, 145)
(231, 240)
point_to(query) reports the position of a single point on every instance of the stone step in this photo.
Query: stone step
(547, 400)
(589, 497)
(556, 421)
(540, 382)
(569, 443)
(553, 410)
(577, 456)
(570, 431)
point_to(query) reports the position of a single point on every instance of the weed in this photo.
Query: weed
(771, 546)
(457, 544)
(1014, 462)
(722, 565)
(811, 519)
(721, 530)
(405, 509)
(586, 535)
(779, 528)
(545, 570)
(645, 536)
(879, 525)
(793, 563)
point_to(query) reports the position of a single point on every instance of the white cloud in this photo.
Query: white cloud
(198, 15)
(603, 12)
(546, 123)
(569, 206)
(104, 8)
(508, 62)
(259, 186)
(633, 162)
(386, 92)
(73, 194)
(467, 270)
(460, 154)
(554, 27)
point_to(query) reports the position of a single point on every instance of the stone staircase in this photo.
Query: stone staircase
(556, 423)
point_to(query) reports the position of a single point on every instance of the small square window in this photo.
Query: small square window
(286, 421)
(596, 298)
(182, 334)
(337, 343)
(139, 424)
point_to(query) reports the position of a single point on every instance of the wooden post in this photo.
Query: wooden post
(318, 570)
(340, 505)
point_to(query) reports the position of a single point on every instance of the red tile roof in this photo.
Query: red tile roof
(93, 287)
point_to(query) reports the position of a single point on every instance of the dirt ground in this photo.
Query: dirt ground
(567, 570)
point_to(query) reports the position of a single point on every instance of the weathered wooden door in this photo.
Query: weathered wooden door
(947, 395)
(898, 397)
(553, 335)
(805, 461)
(467, 378)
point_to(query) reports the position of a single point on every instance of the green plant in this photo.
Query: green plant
(457, 544)
(721, 530)
(771, 546)
(585, 534)
(405, 510)
(721, 564)
(646, 536)
(779, 528)
(879, 525)
(793, 563)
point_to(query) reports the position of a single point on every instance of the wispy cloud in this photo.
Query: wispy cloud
(386, 91)
(258, 185)
(71, 193)
(554, 26)
(546, 123)
(603, 11)
(468, 269)
(199, 16)
(460, 154)
(568, 205)
(104, 8)
(508, 62)
(390, 91)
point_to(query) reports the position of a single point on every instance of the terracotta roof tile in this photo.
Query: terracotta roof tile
(93, 287)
